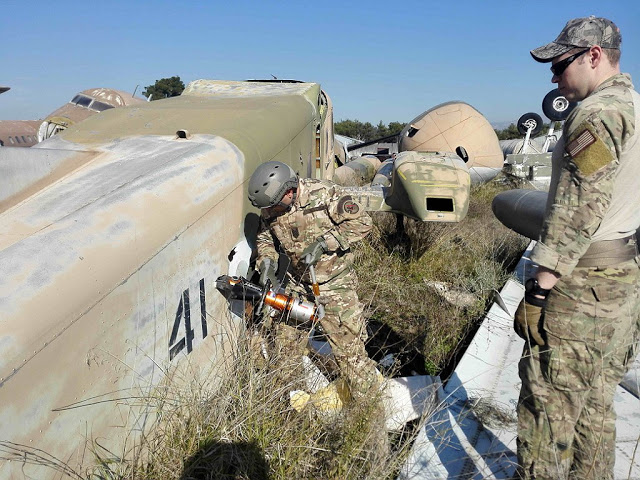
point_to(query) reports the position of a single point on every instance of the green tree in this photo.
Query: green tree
(509, 133)
(164, 88)
(395, 127)
(366, 131)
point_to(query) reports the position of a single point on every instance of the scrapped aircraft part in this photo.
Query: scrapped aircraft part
(110, 249)
(530, 123)
(454, 127)
(183, 135)
(105, 291)
(19, 133)
(82, 106)
(25, 172)
(481, 175)
(357, 172)
(631, 380)
(533, 167)
(231, 89)
(408, 398)
(384, 174)
(452, 295)
(536, 145)
(425, 186)
(556, 107)
(340, 151)
(521, 210)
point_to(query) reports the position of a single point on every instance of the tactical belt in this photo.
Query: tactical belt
(607, 253)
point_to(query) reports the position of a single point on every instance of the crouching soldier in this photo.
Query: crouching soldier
(314, 225)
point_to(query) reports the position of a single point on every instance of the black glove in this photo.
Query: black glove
(268, 272)
(527, 322)
(314, 251)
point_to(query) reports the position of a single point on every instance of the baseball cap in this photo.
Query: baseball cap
(580, 32)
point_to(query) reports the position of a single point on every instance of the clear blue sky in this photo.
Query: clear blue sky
(377, 60)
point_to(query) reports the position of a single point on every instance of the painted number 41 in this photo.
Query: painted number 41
(183, 315)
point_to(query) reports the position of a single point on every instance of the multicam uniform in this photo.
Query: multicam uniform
(320, 210)
(591, 320)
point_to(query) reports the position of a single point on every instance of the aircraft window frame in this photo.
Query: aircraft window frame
(11, 140)
(99, 106)
(82, 101)
(24, 139)
(17, 140)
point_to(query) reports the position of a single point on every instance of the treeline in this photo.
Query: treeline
(512, 131)
(366, 132)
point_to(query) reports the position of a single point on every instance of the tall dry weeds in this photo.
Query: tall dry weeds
(239, 424)
(397, 272)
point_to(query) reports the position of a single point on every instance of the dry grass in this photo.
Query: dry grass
(240, 425)
(473, 257)
(243, 428)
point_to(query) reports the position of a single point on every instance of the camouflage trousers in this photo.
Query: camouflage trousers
(566, 420)
(344, 326)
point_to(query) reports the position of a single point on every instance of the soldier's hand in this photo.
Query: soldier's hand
(527, 322)
(267, 270)
(314, 251)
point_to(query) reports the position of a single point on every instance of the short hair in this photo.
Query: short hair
(613, 54)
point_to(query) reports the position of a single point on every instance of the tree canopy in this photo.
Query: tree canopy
(366, 131)
(164, 88)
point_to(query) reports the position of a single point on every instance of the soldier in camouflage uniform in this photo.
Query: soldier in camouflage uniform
(313, 224)
(580, 314)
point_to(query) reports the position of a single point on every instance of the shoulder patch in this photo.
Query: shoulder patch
(582, 141)
(348, 206)
(588, 152)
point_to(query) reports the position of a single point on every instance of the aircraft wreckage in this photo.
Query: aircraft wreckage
(114, 231)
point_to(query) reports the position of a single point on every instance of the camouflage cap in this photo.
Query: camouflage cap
(580, 32)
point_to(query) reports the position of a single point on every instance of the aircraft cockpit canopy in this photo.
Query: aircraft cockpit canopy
(90, 103)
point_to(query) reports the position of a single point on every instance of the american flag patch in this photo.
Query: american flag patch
(581, 142)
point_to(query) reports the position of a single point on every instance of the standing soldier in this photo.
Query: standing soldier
(580, 313)
(315, 226)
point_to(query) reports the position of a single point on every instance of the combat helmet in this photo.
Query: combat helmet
(269, 182)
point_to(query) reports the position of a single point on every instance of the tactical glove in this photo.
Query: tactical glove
(527, 322)
(314, 251)
(268, 272)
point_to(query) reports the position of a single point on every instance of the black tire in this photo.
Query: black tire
(556, 107)
(530, 120)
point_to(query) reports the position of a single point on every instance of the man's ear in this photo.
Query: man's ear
(595, 55)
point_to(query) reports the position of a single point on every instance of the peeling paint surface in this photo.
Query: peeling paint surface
(109, 265)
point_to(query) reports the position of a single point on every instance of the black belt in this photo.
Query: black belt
(607, 253)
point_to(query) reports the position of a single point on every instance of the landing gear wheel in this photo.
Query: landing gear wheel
(556, 107)
(530, 120)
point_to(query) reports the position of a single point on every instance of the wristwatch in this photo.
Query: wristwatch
(532, 287)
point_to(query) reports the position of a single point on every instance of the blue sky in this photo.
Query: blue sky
(378, 61)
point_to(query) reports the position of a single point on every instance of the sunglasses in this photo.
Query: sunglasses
(559, 68)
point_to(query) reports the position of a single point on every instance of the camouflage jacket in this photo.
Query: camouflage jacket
(320, 209)
(595, 134)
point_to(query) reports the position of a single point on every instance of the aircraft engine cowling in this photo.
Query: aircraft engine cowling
(357, 172)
